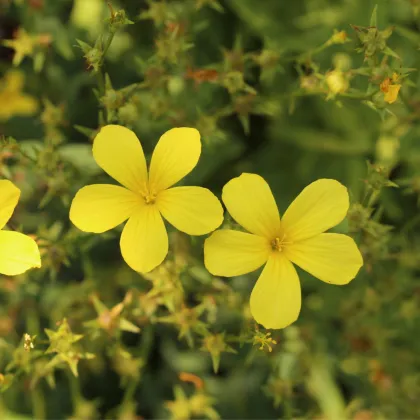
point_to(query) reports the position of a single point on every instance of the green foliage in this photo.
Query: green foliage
(294, 91)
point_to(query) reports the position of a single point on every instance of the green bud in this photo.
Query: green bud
(118, 20)
(358, 217)
(93, 55)
(112, 99)
(176, 85)
(128, 114)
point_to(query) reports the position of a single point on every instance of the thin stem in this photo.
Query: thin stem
(288, 408)
(101, 75)
(38, 403)
(372, 199)
(410, 224)
(74, 389)
(360, 96)
(129, 393)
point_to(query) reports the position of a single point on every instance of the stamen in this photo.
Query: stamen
(149, 198)
(278, 244)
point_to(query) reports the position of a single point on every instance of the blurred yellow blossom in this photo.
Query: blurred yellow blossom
(18, 252)
(25, 44)
(387, 149)
(390, 88)
(147, 195)
(13, 100)
(338, 37)
(337, 82)
(298, 238)
(89, 15)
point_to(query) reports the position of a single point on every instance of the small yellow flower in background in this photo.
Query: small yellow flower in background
(337, 82)
(147, 195)
(25, 44)
(338, 37)
(298, 238)
(18, 252)
(391, 88)
(13, 100)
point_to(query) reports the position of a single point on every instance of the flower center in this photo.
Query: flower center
(279, 243)
(149, 198)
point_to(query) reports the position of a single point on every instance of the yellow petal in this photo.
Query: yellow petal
(98, 208)
(276, 298)
(9, 197)
(392, 94)
(320, 206)
(18, 253)
(231, 253)
(25, 105)
(331, 257)
(250, 202)
(193, 210)
(118, 151)
(175, 156)
(144, 241)
(14, 81)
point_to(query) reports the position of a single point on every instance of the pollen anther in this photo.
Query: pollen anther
(278, 244)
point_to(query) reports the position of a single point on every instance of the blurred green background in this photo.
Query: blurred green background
(255, 79)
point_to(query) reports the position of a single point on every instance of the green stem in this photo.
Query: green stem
(372, 199)
(107, 45)
(324, 389)
(147, 341)
(288, 409)
(76, 395)
(307, 55)
(38, 403)
(129, 393)
(410, 224)
(361, 96)
(101, 76)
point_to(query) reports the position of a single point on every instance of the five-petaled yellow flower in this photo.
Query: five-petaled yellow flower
(18, 252)
(147, 195)
(298, 238)
(13, 101)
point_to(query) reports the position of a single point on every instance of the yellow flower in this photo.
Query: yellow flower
(18, 252)
(390, 88)
(336, 82)
(23, 44)
(298, 238)
(13, 100)
(147, 195)
(338, 38)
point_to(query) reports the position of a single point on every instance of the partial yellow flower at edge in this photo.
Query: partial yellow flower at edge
(13, 100)
(146, 197)
(18, 252)
(298, 238)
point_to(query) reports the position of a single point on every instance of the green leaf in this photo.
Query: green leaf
(391, 53)
(373, 18)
